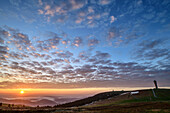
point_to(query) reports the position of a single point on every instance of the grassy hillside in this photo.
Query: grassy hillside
(143, 96)
(161, 95)
(100, 96)
(143, 102)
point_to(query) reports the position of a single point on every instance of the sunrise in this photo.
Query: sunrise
(85, 56)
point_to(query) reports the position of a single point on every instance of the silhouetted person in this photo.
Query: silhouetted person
(155, 82)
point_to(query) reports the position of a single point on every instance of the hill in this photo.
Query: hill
(122, 102)
(100, 96)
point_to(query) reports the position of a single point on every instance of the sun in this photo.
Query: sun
(22, 92)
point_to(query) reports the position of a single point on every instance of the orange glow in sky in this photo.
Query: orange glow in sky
(22, 92)
(65, 92)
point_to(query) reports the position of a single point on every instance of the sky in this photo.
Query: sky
(67, 44)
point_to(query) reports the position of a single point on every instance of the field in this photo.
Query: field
(117, 102)
(144, 102)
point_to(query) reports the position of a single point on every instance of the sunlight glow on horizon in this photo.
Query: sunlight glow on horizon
(22, 92)
(74, 91)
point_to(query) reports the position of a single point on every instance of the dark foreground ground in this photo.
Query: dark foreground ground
(144, 102)
(142, 107)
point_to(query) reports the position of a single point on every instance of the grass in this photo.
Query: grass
(144, 103)
(162, 95)
(158, 111)
(140, 107)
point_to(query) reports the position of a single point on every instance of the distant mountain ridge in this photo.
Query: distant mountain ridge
(37, 102)
(42, 102)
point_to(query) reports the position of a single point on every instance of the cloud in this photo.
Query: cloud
(84, 84)
(23, 69)
(65, 42)
(85, 69)
(4, 52)
(4, 48)
(44, 63)
(92, 42)
(67, 67)
(79, 20)
(58, 60)
(156, 53)
(75, 60)
(76, 11)
(48, 44)
(40, 2)
(98, 61)
(15, 2)
(101, 55)
(123, 71)
(1, 41)
(130, 37)
(150, 44)
(113, 33)
(48, 11)
(128, 64)
(2, 58)
(99, 58)
(4, 33)
(77, 4)
(40, 11)
(139, 2)
(67, 72)
(83, 55)
(106, 68)
(24, 63)
(20, 40)
(104, 2)
(36, 63)
(14, 55)
(91, 17)
(91, 10)
(49, 59)
(67, 54)
(112, 19)
(59, 11)
(77, 41)
(151, 49)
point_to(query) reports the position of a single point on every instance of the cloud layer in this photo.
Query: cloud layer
(82, 43)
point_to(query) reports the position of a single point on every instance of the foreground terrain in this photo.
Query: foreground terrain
(143, 101)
